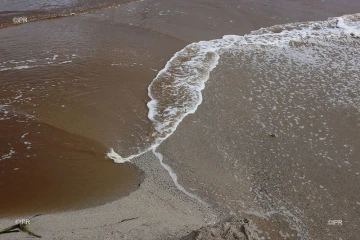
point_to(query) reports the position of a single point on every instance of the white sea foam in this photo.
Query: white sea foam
(8, 155)
(116, 157)
(3, 106)
(24, 135)
(174, 177)
(33, 63)
(65, 62)
(176, 90)
(349, 28)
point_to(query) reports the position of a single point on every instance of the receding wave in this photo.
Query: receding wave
(176, 91)
(22, 11)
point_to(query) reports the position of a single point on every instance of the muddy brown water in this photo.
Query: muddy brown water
(84, 80)
(46, 169)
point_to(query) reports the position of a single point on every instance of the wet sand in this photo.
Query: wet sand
(284, 178)
(158, 211)
(93, 90)
(174, 24)
(268, 187)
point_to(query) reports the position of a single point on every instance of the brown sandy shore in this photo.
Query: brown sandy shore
(160, 209)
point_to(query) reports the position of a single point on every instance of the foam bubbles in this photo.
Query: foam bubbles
(351, 28)
(116, 157)
(174, 177)
(9, 155)
(176, 90)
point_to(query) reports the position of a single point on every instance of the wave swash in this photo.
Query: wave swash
(176, 90)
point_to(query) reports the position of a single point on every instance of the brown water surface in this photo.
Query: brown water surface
(46, 169)
(22, 11)
(88, 75)
(83, 80)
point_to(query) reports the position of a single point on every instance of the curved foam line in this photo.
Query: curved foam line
(118, 159)
(267, 37)
(174, 177)
(340, 26)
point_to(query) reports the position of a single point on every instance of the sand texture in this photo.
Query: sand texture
(160, 209)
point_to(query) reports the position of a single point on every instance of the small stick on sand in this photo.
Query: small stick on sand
(128, 219)
(21, 227)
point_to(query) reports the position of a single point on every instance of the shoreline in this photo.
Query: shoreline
(161, 210)
(55, 14)
(44, 168)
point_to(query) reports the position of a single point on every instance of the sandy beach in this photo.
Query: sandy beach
(160, 210)
(274, 140)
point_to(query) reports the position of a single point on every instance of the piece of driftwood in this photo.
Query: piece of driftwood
(21, 227)
(128, 219)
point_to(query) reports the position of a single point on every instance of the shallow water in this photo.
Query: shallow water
(45, 169)
(83, 82)
(176, 91)
(277, 129)
(23, 11)
(89, 75)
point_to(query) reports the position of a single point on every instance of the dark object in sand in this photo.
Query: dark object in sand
(230, 229)
(19, 227)
(22, 227)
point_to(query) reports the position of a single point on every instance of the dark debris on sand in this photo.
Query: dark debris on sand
(230, 229)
